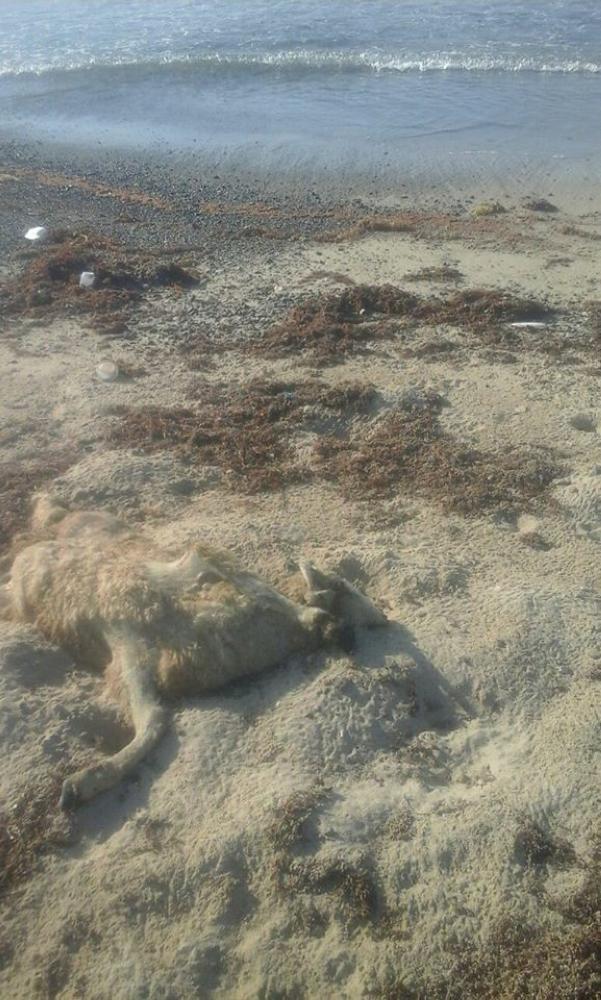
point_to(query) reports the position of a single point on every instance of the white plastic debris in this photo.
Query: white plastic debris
(529, 325)
(37, 234)
(87, 279)
(107, 371)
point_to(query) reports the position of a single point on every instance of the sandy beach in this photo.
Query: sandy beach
(405, 392)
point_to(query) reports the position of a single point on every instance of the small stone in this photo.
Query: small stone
(534, 540)
(488, 208)
(540, 205)
(527, 524)
(583, 422)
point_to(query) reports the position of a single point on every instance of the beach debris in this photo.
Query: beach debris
(37, 234)
(342, 323)
(484, 208)
(583, 422)
(87, 279)
(338, 323)
(443, 273)
(528, 324)
(256, 436)
(249, 432)
(107, 371)
(410, 452)
(115, 278)
(540, 205)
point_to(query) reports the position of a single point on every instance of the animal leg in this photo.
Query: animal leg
(148, 715)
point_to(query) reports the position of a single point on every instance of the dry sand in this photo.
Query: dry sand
(350, 825)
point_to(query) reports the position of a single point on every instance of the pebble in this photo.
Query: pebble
(528, 525)
(583, 422)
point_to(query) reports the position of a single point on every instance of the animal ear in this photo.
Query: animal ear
(314, 578)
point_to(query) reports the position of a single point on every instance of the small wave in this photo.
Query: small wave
(306, 62)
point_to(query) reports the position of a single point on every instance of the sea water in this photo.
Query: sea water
(432, 86)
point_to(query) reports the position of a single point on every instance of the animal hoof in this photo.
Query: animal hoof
(69, 797)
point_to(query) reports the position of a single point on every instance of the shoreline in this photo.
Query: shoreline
(188, 181)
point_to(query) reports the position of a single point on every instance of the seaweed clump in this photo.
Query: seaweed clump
(250, 435)
(17, 484)
(519, 962)
(540, 205)
(442, 273)
(340, 324)
(481, 310)
(49, 282)
(33, 827)
(407, 449)
(248, 432)
(349, 884)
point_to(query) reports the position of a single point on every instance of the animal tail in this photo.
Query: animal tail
(137, 669)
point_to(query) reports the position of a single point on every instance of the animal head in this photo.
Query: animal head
(347, 605)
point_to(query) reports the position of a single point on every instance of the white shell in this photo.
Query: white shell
(107, 371)
(87, 279)
(37, 234)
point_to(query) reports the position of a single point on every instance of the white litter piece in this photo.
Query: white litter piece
(37, 234)
(529, 325)
(87, 279)
(107, 371)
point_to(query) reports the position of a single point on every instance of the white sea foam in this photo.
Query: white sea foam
(545, 36)
(300, 60)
